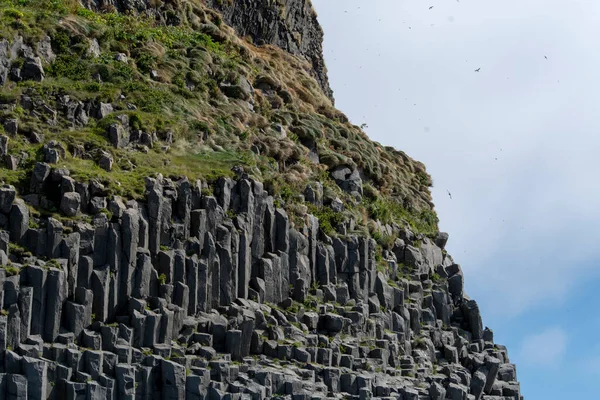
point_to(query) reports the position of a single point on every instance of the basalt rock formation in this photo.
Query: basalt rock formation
(289, 24)
(184, 215)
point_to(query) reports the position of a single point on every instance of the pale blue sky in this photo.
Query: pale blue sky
(516, 144)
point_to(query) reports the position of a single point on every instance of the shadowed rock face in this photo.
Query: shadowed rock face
(290, 24)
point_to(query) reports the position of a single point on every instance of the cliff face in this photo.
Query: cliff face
(289, 24)
(184, 215)
(186, 295)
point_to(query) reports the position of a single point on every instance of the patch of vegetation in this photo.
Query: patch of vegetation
(18, 251)
(166, 79)
(162, 279)
(389, 211)
(384, 240)
(12, 270)
(328, 219)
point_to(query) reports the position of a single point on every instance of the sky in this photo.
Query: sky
(516, 143)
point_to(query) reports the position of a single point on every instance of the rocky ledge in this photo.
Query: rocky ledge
(203, 292)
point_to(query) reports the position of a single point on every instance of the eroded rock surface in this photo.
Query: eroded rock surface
(190, 296)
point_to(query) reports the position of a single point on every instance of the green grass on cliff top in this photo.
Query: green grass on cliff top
(212, 132)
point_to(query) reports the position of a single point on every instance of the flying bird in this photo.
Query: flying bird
(546, 57)
(449, 194)
(478, 69)
(430, 7)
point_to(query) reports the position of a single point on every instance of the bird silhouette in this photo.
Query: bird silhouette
(545, 57)
(449, 194)
(430, 7)
(478, 69)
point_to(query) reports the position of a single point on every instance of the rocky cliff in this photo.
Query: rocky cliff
(289, 24)
(184, 215)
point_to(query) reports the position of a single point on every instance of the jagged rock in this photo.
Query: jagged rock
(173, 380)
(437, 391)
(36, 373)
(55, 284)
(3, 145)
(70, 204)
(33, 70)
(103, 110)
(314, 194)
(122, 58)
(337, 205)
(41, 171)
(36, 137)
(168, 295)
(11, 162)
(11, 126)
(44, 50)
(348, 180)
(241, 90)
(4, 60)
(118, 136)
(473, 317)
(19, 221)
(441, 240)
(94, 48)
(7, 197)
(16, 387)
(106, 161)
(125, 388)
(53, 152)
(276, 28)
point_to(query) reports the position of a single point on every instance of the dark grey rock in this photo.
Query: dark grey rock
(349, 180)
(3, 145)
(19, 221)
(40, 173)
(36, 373)
(125, 377)
(70, 204)
(16, 387)
(7, 197)
(473, 317)
(118, 135)
(456, 392)
(106, 161)
(173, 380)
(98, 204)
(103, 110)
(275, 28)
(11, 162)
(242, 90)
(437, 391)
(11, 126)
(314, 193)
(25, 310)
(32, 69)
(55, 289)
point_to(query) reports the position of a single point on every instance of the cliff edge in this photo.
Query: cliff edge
(185, 215)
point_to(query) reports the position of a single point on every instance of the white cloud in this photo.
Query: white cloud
(516, 143)
(545, 349)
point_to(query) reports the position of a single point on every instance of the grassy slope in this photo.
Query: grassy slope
(212, 132)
